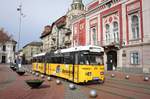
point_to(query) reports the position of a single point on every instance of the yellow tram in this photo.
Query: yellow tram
(78, 64)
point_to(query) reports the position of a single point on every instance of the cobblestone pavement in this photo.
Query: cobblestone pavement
(13, 86)
(120, 88)
(74, 94)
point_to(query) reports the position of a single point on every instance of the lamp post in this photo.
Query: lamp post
(19, 60)
(19, 9)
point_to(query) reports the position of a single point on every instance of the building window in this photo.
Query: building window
(134, 58)
(4, 47)
(107, 33)
(14, 47)
(94, 35)
(115, 31)
(135, 26)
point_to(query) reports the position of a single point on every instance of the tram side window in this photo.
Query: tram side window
(53, 60)
(82, 59)
(40, 59)
(48, 60)
(58, 60)
(34, 60)
(68, 58)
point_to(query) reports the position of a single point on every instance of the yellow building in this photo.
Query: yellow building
(31, 49)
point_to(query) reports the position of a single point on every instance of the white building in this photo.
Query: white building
(7, 48)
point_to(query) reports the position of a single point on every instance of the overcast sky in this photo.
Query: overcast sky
(38, 13)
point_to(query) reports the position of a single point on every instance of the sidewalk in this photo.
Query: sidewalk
(134, 78)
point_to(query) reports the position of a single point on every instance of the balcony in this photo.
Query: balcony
(53, 44)
(68, 42)
(67, 31)
(111, 43)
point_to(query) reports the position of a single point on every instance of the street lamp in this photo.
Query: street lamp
(20, 20)
(19, 60)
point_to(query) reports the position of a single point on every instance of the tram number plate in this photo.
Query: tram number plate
(95, 78)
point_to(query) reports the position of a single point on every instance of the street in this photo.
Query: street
(13, 86)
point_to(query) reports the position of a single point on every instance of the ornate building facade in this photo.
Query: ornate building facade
(45, 37)
(58, 35)
(121, 28)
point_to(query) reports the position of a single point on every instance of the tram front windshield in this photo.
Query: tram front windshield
(90, 58)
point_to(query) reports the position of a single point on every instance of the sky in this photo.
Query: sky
(37, 14)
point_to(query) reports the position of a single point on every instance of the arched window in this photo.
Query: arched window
(107, 32)
(135, 26)
(107, 28)
(115, 30)
(115, 26)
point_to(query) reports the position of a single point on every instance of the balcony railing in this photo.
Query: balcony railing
(68, 42)
(111, 42)
(67, 31)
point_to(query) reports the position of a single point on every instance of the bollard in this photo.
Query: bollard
(71, 86)
(112, 75)
(33, 73)
(146, 78)
(58, 82)
(49, 78)
(93, 93)
(127, 77)
(37, 74)
(42, 76)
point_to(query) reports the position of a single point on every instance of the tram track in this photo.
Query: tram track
(110, 92)
(146, 92)
(122, 88)
(127, 83)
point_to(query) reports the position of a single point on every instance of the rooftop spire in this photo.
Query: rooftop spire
(77, 5)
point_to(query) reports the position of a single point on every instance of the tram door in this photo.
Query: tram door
(111, 60)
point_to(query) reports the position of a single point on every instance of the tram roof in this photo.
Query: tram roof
(82, 48)
(40, 54)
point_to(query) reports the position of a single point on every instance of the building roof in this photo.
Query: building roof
(61, 21)
(47, 31)
(34, 44)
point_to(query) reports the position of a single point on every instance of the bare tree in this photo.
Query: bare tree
(4, 36)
